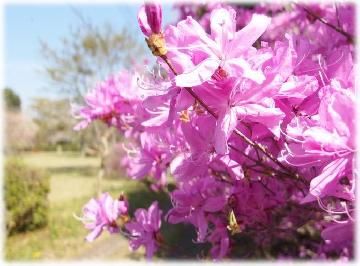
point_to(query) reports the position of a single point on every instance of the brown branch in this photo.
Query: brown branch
(348, 36)
(189, 90)
(262, 149)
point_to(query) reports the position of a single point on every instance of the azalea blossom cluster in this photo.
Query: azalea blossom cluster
(250, 115)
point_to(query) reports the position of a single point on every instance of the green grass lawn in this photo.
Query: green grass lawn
(73, 182)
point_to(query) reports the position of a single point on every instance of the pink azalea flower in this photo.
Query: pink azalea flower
(224, 164)
(219, 238)
(110, 101)
(102, 213)
(237, 100)
(194, 200)
(224, 49)
(327, 139)
(194, 163)
(160, 109)
(151, 158)
(297, 88)
(266, 114)
(143, 231)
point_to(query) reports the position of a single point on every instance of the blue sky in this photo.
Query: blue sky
(25, 25)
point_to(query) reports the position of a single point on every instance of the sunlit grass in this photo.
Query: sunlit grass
(70, 188)
(51, 160)
(73, 182)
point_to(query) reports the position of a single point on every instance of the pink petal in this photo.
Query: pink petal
(224, 126)
(201, 73)
(196, 35)
(327, 177)
(155, 216)
(269, 116)
(153, 12)
(223, 26)
(298, 87)
(318, 138)
(143, 22)
(249, 34)
(240, 65)
(214, 204)
(184, 100)
(202, 226)
(94, 233)
(111, 208)
(338, 235)
(140, 215)
(159, 119)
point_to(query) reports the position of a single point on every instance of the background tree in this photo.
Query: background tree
(12, 100)
(55, 124)
(20, 130)
(88, 55)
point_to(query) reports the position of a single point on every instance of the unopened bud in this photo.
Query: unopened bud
(153, 13)
(149, 18)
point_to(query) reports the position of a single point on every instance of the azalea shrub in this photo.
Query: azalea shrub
(246, 122)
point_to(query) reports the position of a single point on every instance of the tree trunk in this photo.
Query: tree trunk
(104, 151)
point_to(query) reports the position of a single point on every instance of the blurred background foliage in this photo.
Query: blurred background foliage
(26, 190)
(88, 55)
(51, 171)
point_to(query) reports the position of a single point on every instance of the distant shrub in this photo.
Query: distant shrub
(26, 191)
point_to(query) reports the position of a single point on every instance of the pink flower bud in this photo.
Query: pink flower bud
(150, 18)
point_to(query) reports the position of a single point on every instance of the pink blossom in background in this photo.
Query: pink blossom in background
(144, 228)
(110, 101)
(102, 213)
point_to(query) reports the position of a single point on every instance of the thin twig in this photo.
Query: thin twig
(337, 15)
(189, 90)
(262, 149)
(348, 36)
